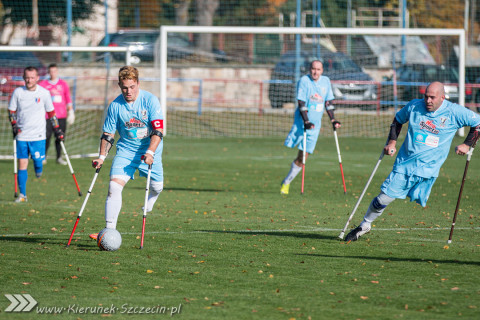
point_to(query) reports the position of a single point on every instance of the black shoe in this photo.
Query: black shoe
(356, 233)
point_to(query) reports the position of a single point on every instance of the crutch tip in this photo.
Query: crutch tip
(141, 247)
(341, 235)
(79, 194)
(449, 241)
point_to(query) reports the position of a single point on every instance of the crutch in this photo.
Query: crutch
(70, 166)
(339, 159)
(363, 193)
(304, 156)
(469, 156)
(84, 204)
(147, 189)
(15, 171)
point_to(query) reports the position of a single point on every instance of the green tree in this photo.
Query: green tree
(50, 12)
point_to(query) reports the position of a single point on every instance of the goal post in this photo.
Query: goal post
(202, 109)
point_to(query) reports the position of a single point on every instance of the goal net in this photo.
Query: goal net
(243, 82)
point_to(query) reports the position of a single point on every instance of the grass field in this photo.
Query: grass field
(222, 243)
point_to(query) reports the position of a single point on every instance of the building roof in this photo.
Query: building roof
(382, 47)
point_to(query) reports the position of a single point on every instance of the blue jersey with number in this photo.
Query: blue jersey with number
(133, 123)
(429, 136)
(315, 94)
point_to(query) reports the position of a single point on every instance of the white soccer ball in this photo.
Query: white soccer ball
(109, 239)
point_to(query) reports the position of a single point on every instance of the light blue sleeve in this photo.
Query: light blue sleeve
(330, 95)
(110, 124)
(466, 117)
(155, 110)
(302, 93)
(403, 114)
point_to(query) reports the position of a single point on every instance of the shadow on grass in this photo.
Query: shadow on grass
(391, 259)
(83, 244)
(276, 233)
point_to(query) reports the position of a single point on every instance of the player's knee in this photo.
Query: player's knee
(114, 189)
(156, 186)
(381, 201)
(38, 165)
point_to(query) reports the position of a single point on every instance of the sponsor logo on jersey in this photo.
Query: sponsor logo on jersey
(429, 126)
(316, 97)
(443, 120)
(134, 123)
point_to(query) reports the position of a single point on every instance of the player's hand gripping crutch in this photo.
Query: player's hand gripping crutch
(15, 171)
(147, 189)
(70, 166)
(304, 158)
(84, 204)
(469, 156)
(339, 159)
(363, 192)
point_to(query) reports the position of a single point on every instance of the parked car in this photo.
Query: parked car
(339, 67)
(12, 64)
(145, 43)
(412, 81)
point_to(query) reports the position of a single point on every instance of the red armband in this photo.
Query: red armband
(157, 124)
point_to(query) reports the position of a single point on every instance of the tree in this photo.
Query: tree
(205, 10)
(50, 12)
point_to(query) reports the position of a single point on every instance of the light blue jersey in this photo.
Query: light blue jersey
(315, 94)
(429, 136)
(134, 125)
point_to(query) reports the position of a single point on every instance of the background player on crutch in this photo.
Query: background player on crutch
(433, 122)
(314, 92)
(137, 117)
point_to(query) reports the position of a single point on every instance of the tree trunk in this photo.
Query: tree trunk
(205, 10)
(181, 12)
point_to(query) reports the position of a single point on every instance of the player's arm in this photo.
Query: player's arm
(156, 137)
(304, 113)
(395, 129)
(106, 143)
(330, 111)
(12, 116)
(470, 141)
(56, 126)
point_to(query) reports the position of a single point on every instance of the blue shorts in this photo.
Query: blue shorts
(35, 149)
(398, 185)
(126, 167)
(295, 136)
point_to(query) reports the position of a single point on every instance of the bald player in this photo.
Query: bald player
(433, 122)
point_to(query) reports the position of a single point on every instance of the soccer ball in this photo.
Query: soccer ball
(109, 239)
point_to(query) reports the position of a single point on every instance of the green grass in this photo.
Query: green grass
(222, 243)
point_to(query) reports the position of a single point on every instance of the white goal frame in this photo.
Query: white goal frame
(164, 30)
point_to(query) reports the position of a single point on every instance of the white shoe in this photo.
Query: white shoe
(143, 208)
(21, 198)
(61, 161)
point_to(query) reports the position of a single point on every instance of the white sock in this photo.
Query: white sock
(375, 209)
(113, 205)
(155, 188)
(294, 170)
